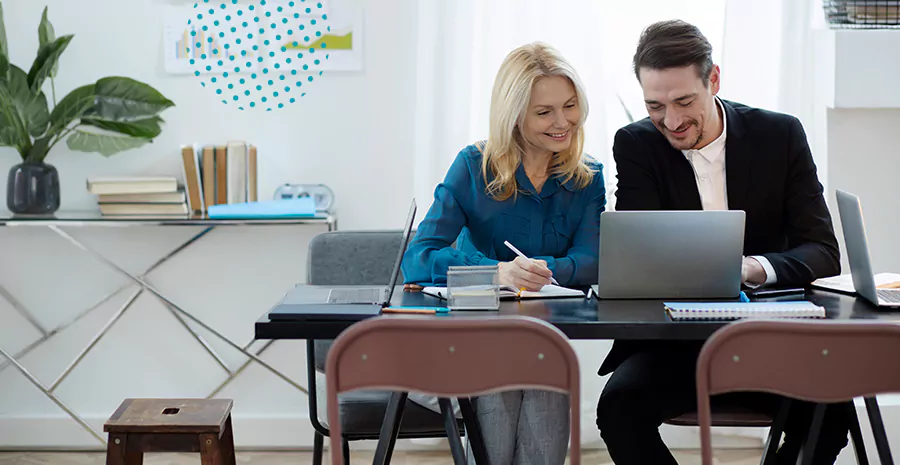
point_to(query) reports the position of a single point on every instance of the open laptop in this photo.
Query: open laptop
(345, 302)
(670, 254)
(854, 229)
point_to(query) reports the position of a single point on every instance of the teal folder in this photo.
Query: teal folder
(288, 208)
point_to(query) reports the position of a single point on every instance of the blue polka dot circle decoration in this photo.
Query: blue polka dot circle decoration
(258, 54)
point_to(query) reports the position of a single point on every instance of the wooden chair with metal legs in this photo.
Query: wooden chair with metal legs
(816, 361)
(454, 357)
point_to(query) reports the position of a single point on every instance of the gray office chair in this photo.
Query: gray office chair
(365, 258)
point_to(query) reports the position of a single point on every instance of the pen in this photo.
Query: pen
(763, 293)
(416, 310)
(552, 279)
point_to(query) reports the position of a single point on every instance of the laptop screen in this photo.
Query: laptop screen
(403, 243)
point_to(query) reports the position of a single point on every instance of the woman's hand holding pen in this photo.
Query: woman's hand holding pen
(525, 273)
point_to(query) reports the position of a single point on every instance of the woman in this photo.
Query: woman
(529, 184)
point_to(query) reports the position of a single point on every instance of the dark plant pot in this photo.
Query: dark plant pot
(32, 188)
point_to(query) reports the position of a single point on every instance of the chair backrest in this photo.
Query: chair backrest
(363, 258)
(817, 361)
(353, 257)
(453, 357)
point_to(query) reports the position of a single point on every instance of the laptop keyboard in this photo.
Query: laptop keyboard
(889, 295)
(370, 295)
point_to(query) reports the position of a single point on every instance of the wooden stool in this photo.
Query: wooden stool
(170, 425)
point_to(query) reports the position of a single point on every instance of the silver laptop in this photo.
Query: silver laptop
(854, 229)
(670, 254)
(376, 295)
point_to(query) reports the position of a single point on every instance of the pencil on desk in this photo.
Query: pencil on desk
(415, 310)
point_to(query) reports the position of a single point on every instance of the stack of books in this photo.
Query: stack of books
(213, 175)
(139, 195)
(220, 174)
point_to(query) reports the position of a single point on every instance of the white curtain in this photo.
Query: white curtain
(462, 43)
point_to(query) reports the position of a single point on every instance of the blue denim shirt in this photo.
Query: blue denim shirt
(561, 225)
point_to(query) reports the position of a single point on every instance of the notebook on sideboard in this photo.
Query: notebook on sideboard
(679, 311)
(507, 291)
(343, 302)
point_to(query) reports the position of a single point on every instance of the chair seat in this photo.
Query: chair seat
(362, 413)
(732, 416)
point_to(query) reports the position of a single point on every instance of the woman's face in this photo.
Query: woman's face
(552, 117)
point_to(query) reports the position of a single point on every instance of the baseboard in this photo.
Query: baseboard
(296, 433)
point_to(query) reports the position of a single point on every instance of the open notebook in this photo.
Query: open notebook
(844, 282)
(740, 310)
(509, 292)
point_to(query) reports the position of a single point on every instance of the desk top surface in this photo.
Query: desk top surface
(94, 218)
(578, 318)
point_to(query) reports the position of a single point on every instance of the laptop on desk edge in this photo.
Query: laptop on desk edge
(344, 302)
(850, 210)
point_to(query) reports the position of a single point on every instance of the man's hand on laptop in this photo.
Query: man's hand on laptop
(524, 273)
(752, 272)
(412, 288)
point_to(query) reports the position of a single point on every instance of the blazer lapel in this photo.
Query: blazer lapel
(685, 181)
(738, 161)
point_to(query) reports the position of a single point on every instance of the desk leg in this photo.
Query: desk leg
(881, 442)
(856, 437)
(53, 397)
(456, 448)
(473, 431)
(390, 428)
(812, 438)
(175, 308)
(775, 433)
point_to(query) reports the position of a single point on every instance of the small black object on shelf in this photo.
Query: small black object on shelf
(862, 14)
(32, 188)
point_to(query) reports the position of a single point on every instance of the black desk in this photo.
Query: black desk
(580, 318)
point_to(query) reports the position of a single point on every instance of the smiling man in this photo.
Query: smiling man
(696, 151)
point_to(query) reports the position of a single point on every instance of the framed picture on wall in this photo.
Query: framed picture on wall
(195, 42)
(328, 39)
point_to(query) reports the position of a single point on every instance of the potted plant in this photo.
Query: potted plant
(109, 116)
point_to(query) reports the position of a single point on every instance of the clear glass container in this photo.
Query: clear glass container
(473, 288)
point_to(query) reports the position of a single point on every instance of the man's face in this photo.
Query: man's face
(680, 106)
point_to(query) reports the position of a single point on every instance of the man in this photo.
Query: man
(696, 151)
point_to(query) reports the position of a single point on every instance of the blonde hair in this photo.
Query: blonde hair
(511, 96)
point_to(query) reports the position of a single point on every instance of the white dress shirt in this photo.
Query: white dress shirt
(709, 170)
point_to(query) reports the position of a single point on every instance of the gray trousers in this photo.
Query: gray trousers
(527, 427)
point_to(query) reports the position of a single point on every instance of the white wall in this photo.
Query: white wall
(352, 133)
(864, 159)
(327, 137)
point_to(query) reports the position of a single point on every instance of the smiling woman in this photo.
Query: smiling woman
(529, 184)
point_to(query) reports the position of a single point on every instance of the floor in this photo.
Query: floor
(593, 457)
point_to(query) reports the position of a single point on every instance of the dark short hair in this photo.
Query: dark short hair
(673, 44)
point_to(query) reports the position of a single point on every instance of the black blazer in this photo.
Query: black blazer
(769, 174)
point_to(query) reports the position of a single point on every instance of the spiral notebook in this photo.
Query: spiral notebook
(741, 310)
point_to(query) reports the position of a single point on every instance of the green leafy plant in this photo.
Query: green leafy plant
(109, 116)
